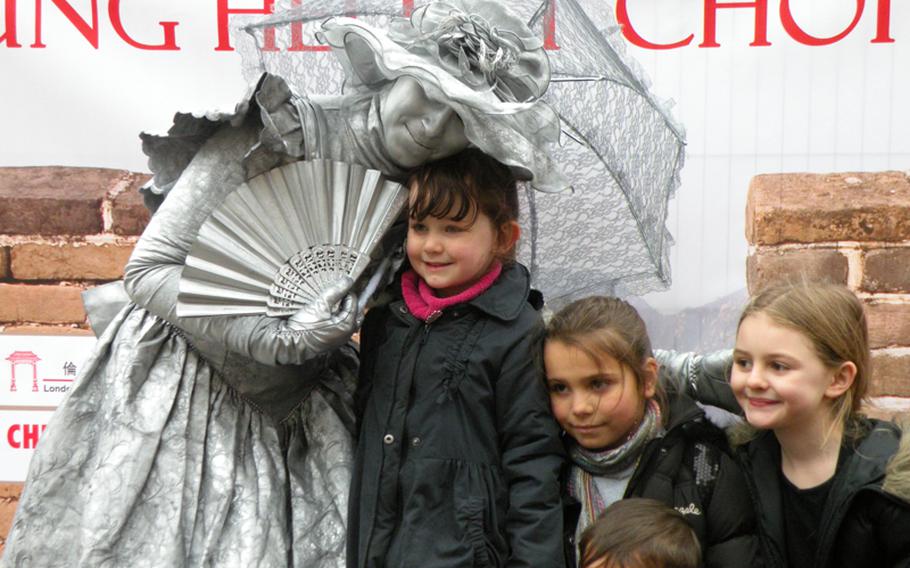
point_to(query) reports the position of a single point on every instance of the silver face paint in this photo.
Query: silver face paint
(416, 128)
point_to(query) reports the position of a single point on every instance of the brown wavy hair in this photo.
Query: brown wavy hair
(604, 325)
(463, 185)
(640, 532)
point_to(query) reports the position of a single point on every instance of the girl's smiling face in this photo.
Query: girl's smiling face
(451, 254)
(778, 379)
(597, 402)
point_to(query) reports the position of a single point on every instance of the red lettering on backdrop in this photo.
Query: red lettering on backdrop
(30, 433)
(761, 21)
(9, 33)
(224, 12)
(549, 27)
(268, 38)
(883, 26)
(628, 31)
(170, 37)
(269, 41)
(797, 33)
(350, 8)
(10, 436)
(90, 33)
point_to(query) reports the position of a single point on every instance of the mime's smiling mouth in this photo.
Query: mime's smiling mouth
(416, 139)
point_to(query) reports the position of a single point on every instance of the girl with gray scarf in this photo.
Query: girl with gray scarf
(627, 438)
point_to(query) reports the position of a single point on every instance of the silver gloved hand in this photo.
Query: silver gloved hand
(326, 323)
(706, 378)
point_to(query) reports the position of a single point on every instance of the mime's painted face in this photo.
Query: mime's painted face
(416, 128)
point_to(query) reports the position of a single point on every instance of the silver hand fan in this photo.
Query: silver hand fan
(281, 238)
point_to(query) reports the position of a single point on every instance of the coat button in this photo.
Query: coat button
(403, 309)
(388, 439)
(416, 441)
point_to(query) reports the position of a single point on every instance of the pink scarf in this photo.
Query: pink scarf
(425, 306)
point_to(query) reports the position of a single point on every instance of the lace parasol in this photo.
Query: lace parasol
(619, 147)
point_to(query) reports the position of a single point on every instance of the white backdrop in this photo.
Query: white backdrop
(747, 109)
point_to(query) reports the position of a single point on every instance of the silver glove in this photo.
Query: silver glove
(327, 324)
(706, 378)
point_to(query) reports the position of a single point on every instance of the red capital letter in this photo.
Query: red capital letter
(549, 28)
(9, 36)
(224, 36)
(761, 21)
(797, 33)
(30, 438)
(622, 16)
(10, 436)
(297, 31)
(882, 28)
(170, 40)
(90, 33)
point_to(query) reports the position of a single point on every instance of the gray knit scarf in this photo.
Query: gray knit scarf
(587, 464)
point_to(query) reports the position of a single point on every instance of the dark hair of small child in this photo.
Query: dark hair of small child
(640, 533)
(463, 185)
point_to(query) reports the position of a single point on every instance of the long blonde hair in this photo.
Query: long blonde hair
(831, 317)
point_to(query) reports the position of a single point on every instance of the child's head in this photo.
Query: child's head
(600, 370)
(640, 533)
(463, 217)
(802, 356)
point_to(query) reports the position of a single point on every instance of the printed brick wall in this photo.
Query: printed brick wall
(851, 228)
(9, 498)
(62, 230)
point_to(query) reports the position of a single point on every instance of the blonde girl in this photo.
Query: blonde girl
(625, 438)
(829, 485)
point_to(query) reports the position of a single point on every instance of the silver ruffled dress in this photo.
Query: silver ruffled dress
(203, 441)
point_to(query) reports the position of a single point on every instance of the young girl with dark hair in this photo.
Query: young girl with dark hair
(626, 438)
(458, 457)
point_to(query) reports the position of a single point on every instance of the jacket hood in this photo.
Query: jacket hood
(897, 473)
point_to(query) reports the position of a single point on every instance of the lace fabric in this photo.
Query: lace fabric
(619, 148)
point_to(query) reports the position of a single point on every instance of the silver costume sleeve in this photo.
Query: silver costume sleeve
(153, 271)
(706, 378)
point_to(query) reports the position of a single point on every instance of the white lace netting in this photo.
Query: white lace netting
(620, 148)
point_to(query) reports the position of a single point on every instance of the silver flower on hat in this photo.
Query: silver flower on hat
(482, 44)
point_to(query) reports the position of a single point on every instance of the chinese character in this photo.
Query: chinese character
(69, 368)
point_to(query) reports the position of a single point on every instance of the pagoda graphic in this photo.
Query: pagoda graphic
(23, 358)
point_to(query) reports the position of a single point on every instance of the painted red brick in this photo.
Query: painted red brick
(130, 215)
(889, 324)
(4, 262)
(771, 266)
(887, 270)
(42, 303)
(69, 261)
(9, 499)
(890, 374)
(814, 208)
(54, 200)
